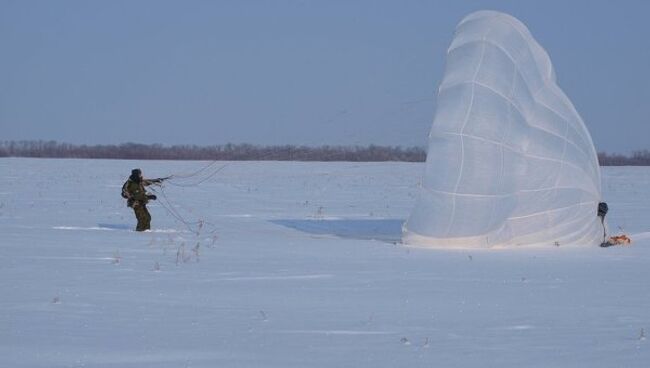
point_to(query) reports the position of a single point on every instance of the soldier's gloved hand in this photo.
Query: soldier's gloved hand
(151, 196)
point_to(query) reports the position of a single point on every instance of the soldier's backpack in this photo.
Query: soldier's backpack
(125, 192)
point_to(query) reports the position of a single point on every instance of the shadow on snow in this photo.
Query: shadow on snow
(388, 230)
(115, 226)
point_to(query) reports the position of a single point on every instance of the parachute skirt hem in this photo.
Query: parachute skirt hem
(577, 239)
(415, 240)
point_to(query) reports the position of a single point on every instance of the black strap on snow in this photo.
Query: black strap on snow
(602, 211)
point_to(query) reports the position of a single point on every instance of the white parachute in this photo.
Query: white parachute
(510, 161)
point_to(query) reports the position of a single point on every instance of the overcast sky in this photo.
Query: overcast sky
(292, 72)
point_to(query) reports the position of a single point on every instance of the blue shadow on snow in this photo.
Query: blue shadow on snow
(389, 230)
(115, 226)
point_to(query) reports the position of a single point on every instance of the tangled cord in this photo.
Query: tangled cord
(171, 178)
(194, 227)
(196, 172)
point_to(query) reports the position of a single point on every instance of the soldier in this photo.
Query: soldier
(137, 197)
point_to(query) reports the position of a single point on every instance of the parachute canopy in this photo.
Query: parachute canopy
(510, 161)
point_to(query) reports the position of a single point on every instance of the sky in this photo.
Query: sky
(292, 72)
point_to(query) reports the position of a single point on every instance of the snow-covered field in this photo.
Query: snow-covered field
(299, 265)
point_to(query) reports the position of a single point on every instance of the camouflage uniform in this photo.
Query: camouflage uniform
(138, 199)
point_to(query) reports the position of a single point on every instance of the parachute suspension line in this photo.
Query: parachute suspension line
(193, 226)
(185, 176)
(177, 179)
(167, 205)
(200, 181)
(170, 209)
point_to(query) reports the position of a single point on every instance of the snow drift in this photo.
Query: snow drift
(510, 161)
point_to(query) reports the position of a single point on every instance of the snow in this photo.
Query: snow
(299, 265)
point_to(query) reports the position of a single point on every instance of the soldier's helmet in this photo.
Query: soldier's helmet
(136, 174)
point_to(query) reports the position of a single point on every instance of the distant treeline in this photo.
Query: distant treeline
(637, 158)
(226, 152)
(249, 152)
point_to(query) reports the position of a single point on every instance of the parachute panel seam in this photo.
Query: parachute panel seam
(515, 150)
(550, 211)
(510, 101)
(462, 145)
